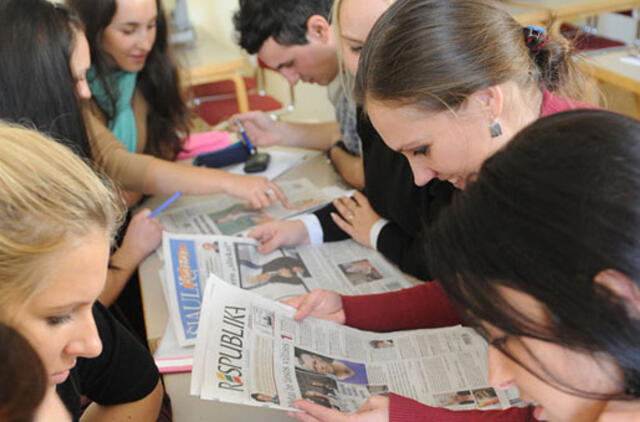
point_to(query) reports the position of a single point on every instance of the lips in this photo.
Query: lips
(537, 412)
(59, 377)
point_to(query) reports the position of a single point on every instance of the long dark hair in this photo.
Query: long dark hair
(23, 379)
(37, 86)
(168, 116)
(437, 53)
(557, 206)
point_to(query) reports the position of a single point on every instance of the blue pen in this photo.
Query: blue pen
(165, 204)
(252, 149)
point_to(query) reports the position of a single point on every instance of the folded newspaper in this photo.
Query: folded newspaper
(250, 351)
(229, 216)
(345, 267)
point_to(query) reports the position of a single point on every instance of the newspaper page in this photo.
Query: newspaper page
(229, 216)
(251, 351)
(346, 267)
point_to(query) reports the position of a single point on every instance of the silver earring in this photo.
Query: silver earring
(495, 129)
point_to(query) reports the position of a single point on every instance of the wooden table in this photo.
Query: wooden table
(609, 67)
(560, 10)
(208, 60)
(527, 15)
(187, 408)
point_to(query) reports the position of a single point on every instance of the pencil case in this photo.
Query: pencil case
(233, 154)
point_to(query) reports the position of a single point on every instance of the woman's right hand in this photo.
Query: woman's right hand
(275, 234)
(259, 191)
(323, 304)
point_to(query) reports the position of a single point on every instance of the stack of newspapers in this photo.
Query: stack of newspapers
(249, 350)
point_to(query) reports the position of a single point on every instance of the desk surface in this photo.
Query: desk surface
(609, 67)
(185, 407)
(565, 9)
(527, 15)
(208, 58)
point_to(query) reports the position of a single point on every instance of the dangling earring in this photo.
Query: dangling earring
(495, 128)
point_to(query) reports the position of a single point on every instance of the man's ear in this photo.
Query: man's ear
(319, 29)
(623, 287)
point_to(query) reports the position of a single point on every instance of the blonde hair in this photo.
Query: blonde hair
(48, 196)
(347, 82)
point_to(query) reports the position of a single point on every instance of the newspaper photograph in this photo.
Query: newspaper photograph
(345, 267)
(228, 216)
(250, 351)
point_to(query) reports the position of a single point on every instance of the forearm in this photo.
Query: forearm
(349, 167)
(145, 409)
(166, 177)
(309, 135)
(123, 264)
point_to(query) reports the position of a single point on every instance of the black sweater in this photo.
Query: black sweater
(390, 188)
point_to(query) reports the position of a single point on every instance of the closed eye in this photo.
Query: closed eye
(423, 150)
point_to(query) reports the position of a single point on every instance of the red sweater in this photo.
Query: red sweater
(426, 306)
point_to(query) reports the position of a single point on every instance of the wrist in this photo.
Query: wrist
(335, 144)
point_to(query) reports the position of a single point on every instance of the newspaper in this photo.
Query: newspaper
(251, 351)
(345, 267)
(228, 216)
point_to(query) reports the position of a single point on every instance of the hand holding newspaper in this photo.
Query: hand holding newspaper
(250, 351)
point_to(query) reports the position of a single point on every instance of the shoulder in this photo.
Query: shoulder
(552, 104)
(123, 372)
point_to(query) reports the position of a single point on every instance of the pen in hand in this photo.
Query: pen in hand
(245, 137)
(165, 204)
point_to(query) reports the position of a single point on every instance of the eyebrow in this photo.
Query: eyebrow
(69, 306)
(348, 38)
(137, 23)
(413, 145)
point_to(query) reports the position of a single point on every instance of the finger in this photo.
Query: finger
(301, 416)
(344, 212)
(264, 199)
(294, 302)
(360, 199)
(346, 227)
(319, 412)
(270, 245)
(348, 203)
(143, 213)
(307, 306)
(279, 194)
(261, 233)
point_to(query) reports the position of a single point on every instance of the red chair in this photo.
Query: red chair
(586, 41)
(217, 101)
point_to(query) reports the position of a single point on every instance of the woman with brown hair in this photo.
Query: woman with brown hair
(446, 84)
(137, 116)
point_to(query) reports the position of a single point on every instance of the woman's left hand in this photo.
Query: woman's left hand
(356, 217)
(376, 409)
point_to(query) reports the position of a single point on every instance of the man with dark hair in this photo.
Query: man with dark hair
(295, 38)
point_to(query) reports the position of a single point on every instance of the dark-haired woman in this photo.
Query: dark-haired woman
(51, 66)
(443, 99)
(137, 116)
(540, 253)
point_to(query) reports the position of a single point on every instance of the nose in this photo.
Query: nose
(291, 76)
(87, 342)
(421, 174)
(82, 90)
(146, 39)
(500, 375)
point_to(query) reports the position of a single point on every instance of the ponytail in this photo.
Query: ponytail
(437, 53)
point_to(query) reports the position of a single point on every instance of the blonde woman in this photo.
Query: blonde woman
(57, 222)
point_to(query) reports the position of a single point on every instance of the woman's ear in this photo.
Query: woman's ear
(623, 287)
(489, 101)
(319, 29)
